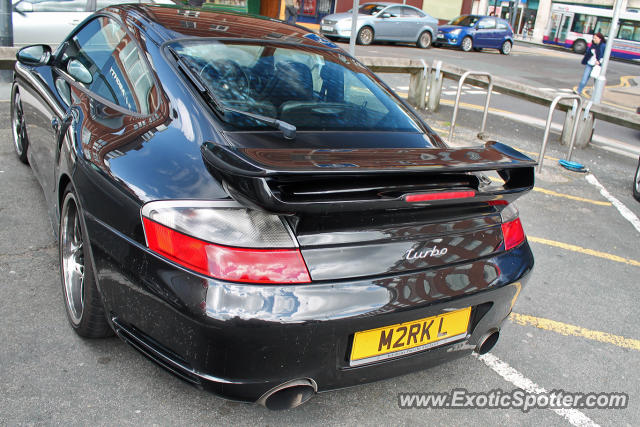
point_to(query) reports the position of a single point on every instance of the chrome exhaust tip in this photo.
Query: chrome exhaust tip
(487, 342)
(289, 395)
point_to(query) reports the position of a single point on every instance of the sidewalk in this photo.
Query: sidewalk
(625, 94)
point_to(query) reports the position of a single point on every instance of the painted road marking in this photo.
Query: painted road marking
(576, 331)
(568, 196)
(574, 416)
(585, 251)
(624, 211)
(556, 194)
(475, 107)
(531, 153)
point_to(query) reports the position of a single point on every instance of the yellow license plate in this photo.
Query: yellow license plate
(409, 337)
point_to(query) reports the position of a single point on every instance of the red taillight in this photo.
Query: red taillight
(513, 233)
(443, 195)
(224, 262)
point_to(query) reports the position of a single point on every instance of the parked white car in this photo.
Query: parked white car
(50, 21)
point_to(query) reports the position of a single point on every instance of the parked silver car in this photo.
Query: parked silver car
(383, 22)
(50, 21)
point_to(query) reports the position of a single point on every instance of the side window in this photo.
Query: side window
(52, 6)
(602, 25)
(629, 30)
(502, 25)
(411, 12)
(486, 24)
(104, 58)
(394, 11)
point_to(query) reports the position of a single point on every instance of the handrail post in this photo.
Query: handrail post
(547, 128)
(458, 93)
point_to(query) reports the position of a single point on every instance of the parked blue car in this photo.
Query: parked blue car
(476, 32)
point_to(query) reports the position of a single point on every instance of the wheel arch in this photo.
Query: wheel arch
(63, 181)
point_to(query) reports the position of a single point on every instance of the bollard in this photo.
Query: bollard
(417, 89)
(565, 136)
(584, 129)
(435, 86)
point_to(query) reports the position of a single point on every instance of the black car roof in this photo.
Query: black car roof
(171, 22)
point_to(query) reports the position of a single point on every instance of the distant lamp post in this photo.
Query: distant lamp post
(6, 23)
(354, 27)
(598, 87)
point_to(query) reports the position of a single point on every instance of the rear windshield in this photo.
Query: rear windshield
(464, 21)
(312, 89)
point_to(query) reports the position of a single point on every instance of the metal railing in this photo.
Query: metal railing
(547, 128)
(486, 104)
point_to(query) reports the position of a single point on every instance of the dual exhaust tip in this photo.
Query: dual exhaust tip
(294, 393)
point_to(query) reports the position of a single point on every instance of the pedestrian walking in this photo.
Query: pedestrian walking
(525, 30)
(591, 59)
(291, 11)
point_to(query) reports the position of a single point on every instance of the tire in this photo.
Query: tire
(505, 49)
(425, 39)
(579, 46)
(82, 301)
(18, 126)
(365, 36)
(636, 183)
(467, 44)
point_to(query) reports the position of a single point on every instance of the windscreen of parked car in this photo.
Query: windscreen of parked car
(310, 88)
(464, 21)
(371, 9)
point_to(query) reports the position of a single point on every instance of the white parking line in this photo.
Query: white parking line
(503, 369)
(624, 211)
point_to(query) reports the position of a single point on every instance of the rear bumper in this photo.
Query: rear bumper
(239, 341)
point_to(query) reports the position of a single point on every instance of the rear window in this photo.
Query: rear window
(310, 88)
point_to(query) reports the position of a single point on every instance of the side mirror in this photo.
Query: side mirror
(38, 54)
(385, 15)
(78, 71)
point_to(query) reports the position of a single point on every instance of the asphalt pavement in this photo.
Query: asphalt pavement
(573, 328)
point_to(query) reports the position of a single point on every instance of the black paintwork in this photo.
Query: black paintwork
(250, 338)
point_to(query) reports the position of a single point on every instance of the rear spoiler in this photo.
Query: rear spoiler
(290, 180)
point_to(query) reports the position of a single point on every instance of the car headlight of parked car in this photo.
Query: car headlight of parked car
(455, 32)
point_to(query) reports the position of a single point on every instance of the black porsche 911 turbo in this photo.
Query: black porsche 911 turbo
(252, 209)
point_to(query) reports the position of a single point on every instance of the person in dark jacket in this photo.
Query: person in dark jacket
(291, 11)
(592, 57)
